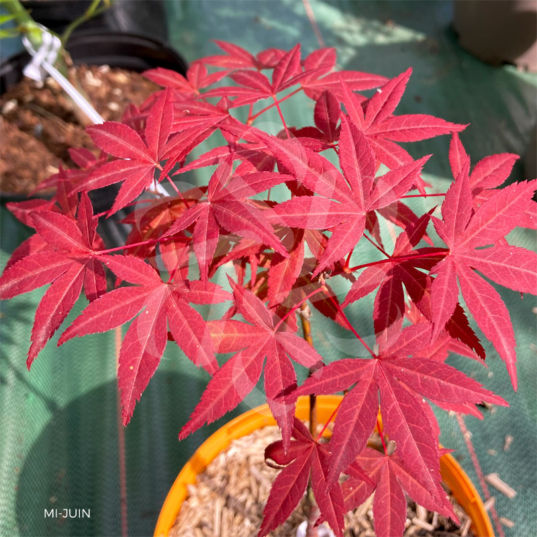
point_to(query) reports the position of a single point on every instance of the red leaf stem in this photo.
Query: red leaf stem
(399, 258)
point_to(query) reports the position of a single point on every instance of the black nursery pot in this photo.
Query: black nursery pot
(133, 52)
(148, 16)
(58, 14)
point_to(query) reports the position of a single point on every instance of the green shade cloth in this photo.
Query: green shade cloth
(59, 443)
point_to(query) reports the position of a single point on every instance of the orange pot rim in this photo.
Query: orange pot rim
(452, 473)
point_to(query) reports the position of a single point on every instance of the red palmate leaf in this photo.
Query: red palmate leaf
(238, 58)
(389, 478)
(316, 173)
(66, 255)
(138, 162)
(404, 417)
(197, 78)
(252, 87)
(488, 174)
(226, 207)
(163, 304)
(303, 458)
(402, 270)
(139, 159)
(240, 374)
(382, 128)
(465, 234)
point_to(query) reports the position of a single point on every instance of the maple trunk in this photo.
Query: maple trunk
(311, 507)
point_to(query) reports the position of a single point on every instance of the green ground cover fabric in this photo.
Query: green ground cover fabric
(59, 443)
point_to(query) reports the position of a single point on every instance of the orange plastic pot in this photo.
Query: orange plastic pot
(452, 473)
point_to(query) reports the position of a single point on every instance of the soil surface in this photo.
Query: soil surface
(229, 497)
(39, 123)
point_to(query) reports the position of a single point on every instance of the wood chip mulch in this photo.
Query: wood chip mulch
(39, 123)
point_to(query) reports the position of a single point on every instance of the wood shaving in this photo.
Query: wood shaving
(489, 503)
(465, 527)
(507, 443)
(494, 480)
(506, 522)
(422, 524)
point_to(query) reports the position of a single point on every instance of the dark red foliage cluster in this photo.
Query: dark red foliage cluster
(283, 254)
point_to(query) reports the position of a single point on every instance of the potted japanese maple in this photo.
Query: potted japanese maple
(279, 257)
